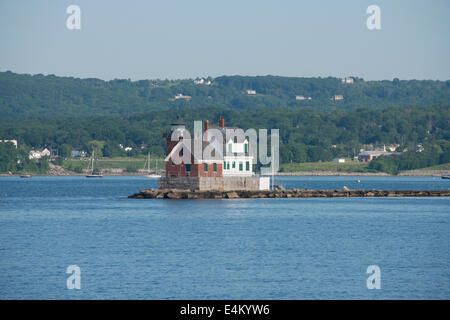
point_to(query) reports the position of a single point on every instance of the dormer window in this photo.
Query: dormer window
(246, 148)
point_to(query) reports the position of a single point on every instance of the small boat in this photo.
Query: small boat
(445, 177)
(358, 181)
(26, 176)
(94, 174)
(153, 175)
(147, 168)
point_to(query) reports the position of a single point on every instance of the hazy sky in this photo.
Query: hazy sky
(189, 38)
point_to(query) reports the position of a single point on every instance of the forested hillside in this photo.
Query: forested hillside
(25, 96)
(63, 114)
(306, 135)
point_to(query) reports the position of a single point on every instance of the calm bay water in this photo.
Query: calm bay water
(221, 249)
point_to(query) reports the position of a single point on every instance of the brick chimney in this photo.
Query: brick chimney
(221, 122)
(206, 129)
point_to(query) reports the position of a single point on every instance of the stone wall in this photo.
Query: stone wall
(292, 193)
(212, 183)
(187, 183)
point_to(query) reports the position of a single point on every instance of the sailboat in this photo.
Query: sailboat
(93, 173)
(147, 168)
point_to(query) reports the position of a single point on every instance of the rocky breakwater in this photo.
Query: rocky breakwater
(291, 193)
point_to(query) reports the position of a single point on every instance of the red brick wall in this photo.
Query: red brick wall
(210, 172)
(179, 170)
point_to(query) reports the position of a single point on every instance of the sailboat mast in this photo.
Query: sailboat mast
(93, 156)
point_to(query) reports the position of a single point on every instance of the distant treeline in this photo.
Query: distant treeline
(306, 135)
(39, 96)
(433, 154)
(14, 160)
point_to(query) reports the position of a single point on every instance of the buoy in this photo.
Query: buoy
(358, 181)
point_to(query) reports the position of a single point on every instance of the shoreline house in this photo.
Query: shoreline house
(337, 97)
(209, 164)
(36, 154)
(367, 156)
(78, 153)
(300, 98)
(181, 96)
(14, 142)
(347, 80)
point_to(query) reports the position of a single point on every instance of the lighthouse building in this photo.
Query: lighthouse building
(202, 163)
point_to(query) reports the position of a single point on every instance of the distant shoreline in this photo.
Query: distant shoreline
(330, 173)
(432, 173)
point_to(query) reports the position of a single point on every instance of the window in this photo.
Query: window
(205, 167)
(240, 166)
(230, 148)
(188, 167)
(228, 165)
(234, 164)
(173, 164)
(214, 167)
(247, 165)
(246, 148)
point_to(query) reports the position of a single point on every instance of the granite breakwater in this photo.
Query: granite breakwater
(291, 193)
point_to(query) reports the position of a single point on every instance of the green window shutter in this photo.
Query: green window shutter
(240, 166)
(245, 148)
(247, 165)
(205, 167)
(188, 167)
(234, 164)
(214, 167)
(228, 165)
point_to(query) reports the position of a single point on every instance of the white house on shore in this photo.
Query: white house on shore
(337, 97)
(78, 153)
(14, 142)
(181, 96)
(347, 80)
(36, 154)
(300, 98)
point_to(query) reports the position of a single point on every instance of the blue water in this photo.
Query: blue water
(221, 249)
